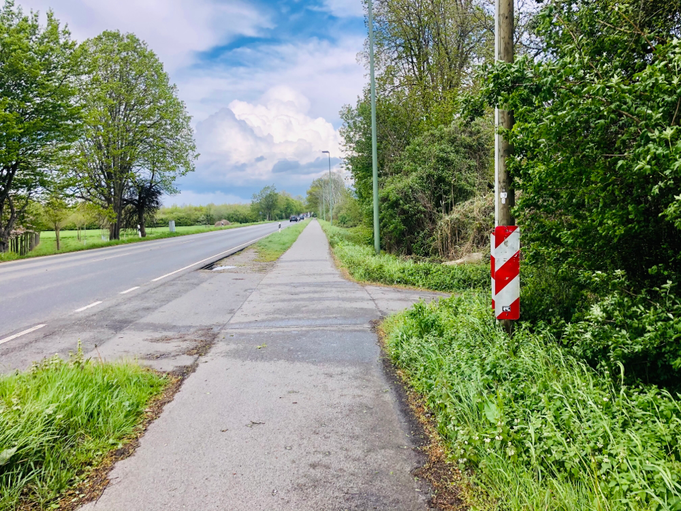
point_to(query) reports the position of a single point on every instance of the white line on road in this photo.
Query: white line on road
(128, 290)
(209, 258)
(28, 331)
(87, 306)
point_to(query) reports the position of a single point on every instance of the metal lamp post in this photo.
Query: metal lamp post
(330, 189)
(374, 151)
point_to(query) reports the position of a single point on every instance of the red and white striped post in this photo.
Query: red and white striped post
(505, 263)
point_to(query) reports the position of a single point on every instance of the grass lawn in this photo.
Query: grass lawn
(60, 419)
(93, 239)
(272, 247)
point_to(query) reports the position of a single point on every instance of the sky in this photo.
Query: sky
(264, 81)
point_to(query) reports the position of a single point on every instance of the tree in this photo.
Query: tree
(39, 118)
(266, 201)
(142, 201)
(56, 211)
(136, 128)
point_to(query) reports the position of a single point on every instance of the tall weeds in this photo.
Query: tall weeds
(534, 426)
(59, 418)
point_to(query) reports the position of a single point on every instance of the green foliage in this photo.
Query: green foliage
(532, 425)
(597, 139)
(641, 332)
(39, 118)
(138, 132)
(437, 171)
(364, 265)
(60, 418)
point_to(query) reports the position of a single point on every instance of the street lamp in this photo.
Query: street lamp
(374, 152)
(330, 189)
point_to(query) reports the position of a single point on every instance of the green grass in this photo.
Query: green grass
(533, 426)
(352, 249)
(93, 239)
(272, 247)
(60, 418)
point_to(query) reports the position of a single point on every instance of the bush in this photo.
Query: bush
(533, 426)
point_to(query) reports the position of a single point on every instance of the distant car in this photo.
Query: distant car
(293, 218)
(301, 217)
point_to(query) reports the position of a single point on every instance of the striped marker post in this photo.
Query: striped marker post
(506, 268)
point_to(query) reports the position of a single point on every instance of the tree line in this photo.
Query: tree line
(97, 122)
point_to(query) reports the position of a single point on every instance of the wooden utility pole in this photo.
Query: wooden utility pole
(504, 197)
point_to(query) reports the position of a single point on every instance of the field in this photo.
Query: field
(97, 238)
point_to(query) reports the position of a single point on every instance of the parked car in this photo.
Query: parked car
(293, 218)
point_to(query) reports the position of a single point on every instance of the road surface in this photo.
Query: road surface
(35, 291)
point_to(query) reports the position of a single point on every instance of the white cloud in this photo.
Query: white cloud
(326, 73)
(345, 8)
(174, 29)
(273, 139)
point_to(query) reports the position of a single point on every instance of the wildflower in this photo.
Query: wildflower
(605, 399)
(488, 440)
(497, 438)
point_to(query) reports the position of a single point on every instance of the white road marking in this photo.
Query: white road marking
(209, 258)
(87, 306)
(128, 290)
(28, 331)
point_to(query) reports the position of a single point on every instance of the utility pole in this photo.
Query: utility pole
(504, 196)
(506, 239)
(374, 151)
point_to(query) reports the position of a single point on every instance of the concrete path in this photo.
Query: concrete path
(290, 410)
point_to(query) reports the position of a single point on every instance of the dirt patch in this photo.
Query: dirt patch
(242, 262)
(96, 479)
(445, 482)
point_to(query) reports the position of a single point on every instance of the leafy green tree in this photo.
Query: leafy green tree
(437, 171)
(39, 118)
(137, 129)
(56, 212)
(265, 202)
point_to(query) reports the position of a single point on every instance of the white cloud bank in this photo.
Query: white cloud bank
(273, 139)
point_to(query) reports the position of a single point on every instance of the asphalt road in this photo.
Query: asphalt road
(35, 291)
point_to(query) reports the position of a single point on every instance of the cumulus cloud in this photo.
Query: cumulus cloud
(326, 73)
(271, 140)
(201, 199)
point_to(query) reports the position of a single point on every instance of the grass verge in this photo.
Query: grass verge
(93, 239)
(353, 252)
(60, 419)
(272, 247)
(532, 426)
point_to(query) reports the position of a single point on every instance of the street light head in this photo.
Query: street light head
(326, 152)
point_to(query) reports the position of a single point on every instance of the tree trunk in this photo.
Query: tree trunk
(4, 243)
(56, 233)
(140, 222)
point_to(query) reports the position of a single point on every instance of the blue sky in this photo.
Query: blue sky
(263, 80)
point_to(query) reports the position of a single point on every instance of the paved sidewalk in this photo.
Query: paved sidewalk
(289, 411)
